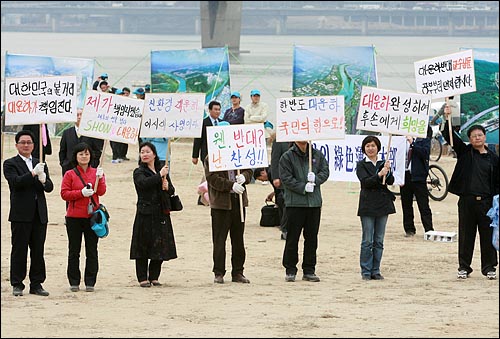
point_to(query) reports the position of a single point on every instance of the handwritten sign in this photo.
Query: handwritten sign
(343, 155)
(310, 118)
(111, 117)
(446, 75)
(393, 112)
(233, 147)
(173, 115)
(40, 100)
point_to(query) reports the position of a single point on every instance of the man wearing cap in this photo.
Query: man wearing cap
(235, 115)
(140, 93)
(256, 112)
(147, 88)
(102, 77)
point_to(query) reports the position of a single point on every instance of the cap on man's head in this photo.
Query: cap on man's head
(118, 91)
(147, 88)
(236, 94)
(139, 90)
(104, 75)
(254, 92)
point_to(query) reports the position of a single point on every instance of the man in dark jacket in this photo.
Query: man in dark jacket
(417, 169)
(28, 180)
(303, 203)
(475, 181)
(224, 190)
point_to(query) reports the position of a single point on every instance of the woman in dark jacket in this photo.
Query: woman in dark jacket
(376, 202)
(153, 236)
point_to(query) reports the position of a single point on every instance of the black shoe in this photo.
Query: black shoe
(409, 234)
(377, 276)
(310, 277)
(17, 291)
(366, 277)
(40, 291)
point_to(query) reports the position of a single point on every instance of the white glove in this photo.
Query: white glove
(311, 177)
(42, 177)
(100, 172)
(39, 168)
(310, 187)
(240, 179)
(87, 192)
(237, 188)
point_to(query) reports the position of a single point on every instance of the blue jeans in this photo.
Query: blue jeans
(372, 244)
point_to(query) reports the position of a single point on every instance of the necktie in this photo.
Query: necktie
(216, 122)
(408, 158)
(44, 135)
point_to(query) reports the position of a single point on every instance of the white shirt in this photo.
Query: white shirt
(28, 162)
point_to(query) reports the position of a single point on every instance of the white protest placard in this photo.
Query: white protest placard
(393, 112)
(343, 155)
(111, 117)
(233, 147)
(310, 118)
(37, 100)
(447, 75)
(173, 115)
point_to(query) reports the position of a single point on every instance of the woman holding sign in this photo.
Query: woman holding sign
(376, 202)
(153, 237)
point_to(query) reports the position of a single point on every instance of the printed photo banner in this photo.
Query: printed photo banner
(446, 75)
(20, 65)
(37, 100)
(111, 117)
(173, 115)
(204, 70)
(335, 70)
(481, 107)
(343, 155)
(393, 112)
(233, 147)
(310, 118)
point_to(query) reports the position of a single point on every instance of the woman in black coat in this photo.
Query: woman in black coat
(376, 202)
(153, 236)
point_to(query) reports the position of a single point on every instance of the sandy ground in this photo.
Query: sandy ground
(420, 296)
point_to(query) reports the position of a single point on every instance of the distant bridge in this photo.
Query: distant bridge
(155, 20)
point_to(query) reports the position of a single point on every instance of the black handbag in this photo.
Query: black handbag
(270, 215)
(175, 203)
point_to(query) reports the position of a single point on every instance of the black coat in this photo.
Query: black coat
(375, 199)
(23, 188)
(69, 140)
(152, 236)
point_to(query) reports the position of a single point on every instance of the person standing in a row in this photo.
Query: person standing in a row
(77, 189)
(28, 180)
(376, 202)
(153, 239)
(475, 181)
(303, 203)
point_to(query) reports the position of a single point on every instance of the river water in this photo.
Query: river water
(265, 62)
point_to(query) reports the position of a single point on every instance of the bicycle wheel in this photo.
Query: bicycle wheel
(436, 149)
(437, 183)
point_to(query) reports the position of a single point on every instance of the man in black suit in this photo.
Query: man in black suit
(71, 138)
(28, 181)
(47, 149)
(200, 148)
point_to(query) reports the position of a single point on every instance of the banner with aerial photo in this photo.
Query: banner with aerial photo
(481, 107)
(20, 66)
(326, 71)
(203, 70)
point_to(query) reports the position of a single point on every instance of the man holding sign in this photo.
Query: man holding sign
(303, 206)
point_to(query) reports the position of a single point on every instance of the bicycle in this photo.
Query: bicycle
(437, 183)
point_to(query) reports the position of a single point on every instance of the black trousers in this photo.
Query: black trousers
(149, 272)
(419, 190)
(301, 220)
(224, 222)
(75, 228)
(24, 235)
(471, 217)
(119, 149)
